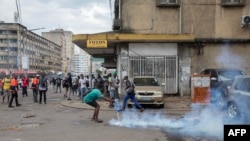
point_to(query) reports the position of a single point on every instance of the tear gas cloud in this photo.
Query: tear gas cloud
(205, 122)
(201, 121)
(229, 59)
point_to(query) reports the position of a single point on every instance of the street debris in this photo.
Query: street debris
(28, 115)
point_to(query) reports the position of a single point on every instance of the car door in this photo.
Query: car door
(244, 93)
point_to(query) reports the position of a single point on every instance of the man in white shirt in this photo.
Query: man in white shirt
(82, 86)
(114, 85)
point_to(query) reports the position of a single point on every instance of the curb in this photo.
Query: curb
(104, 107)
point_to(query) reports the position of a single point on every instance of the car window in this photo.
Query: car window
(145, 82)
(230, 74)
(244, 85)
(213, 74)
(206, 72)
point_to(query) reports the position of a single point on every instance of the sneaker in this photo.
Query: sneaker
(11, 106)
(68, 99)
(18, 105)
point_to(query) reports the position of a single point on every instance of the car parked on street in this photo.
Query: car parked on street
(238, 99)
(148, 91)
(220, 79)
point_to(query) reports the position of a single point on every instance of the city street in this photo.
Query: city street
(56, 121)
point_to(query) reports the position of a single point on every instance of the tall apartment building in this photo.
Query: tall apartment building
(81, 62)
(64, 40)
(23, 51)
(172, 39)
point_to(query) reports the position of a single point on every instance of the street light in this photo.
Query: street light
(36, 29)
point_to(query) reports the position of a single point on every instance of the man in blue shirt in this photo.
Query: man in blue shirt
(91, 98)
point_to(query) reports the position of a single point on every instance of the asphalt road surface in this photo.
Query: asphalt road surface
(54, 122)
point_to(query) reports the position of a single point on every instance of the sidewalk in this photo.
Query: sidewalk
(174, 105)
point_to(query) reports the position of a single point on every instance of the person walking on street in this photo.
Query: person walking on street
(130, 94)
(53, 82)
(65, 85)
(6, 88)
(75, 86)
(58, 84)
(14, 89)
(25, 84)
(82, 86)
(43, 87)
(69, 86)
(91, 98)
(34, 87)
(114, 85)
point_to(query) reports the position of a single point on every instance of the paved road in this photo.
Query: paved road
(62, 120)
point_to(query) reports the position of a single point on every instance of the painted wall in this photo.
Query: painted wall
(207, 20)
(221, 56)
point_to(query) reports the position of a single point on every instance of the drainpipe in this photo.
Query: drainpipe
(120, 13)
(180, 17)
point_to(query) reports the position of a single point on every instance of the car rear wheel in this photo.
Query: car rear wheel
(233, 111)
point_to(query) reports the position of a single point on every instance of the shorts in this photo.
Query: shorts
(93, 104)
(6, 93)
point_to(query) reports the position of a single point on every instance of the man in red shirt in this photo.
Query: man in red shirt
(25, 83)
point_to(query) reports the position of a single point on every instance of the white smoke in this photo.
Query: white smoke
(202, 121)
(229, 59)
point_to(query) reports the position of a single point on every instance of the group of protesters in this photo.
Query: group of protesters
(88, 89)
(10, 86)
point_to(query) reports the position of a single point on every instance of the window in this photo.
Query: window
(232, 2)
(244, 85)
(167, 3)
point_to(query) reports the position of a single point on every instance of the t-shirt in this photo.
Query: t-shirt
(25, 82)
(42, 83)
(35, 81)
(6, 85)
(93, 96)
(82, 82)
(58, 81)
(114, 82)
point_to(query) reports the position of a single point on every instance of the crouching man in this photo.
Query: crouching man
(90, 99)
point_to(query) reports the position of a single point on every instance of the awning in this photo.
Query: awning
(112, 38)
(103, 44)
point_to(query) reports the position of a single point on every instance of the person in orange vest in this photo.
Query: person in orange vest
(13, 90)
(34, 86)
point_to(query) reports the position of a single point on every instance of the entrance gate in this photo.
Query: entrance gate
(164, 68)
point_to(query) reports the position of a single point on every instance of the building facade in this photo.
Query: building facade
(172, 39)
(64, 40)
(22, 51)
(81, 62)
